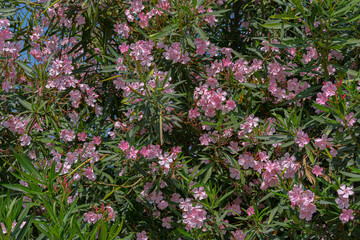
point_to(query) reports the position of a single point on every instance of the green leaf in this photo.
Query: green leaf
(20, 188)
(209, 123)
(274, 138)
(322, 108)
(284, 16)
(253, 85)
(208, 173)
(183, 232)
(25, 104)
(272, 215)
(104, 231)
(276, 25)
(298, 4)
(201, 33)
(114, 233)
(165, 31)
(325, 121)
(224, 197)
(25, 67)
(215, 13)
(28, 166)
(310, 155)
(352, 175)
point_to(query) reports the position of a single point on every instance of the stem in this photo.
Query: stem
(122, 186)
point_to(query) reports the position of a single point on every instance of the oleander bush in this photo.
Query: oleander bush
(179, 119)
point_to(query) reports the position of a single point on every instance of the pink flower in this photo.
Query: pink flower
(119, 65)
(238, 235)
(97, 140)
(304, 200)
(250, 211)
(346, 215)
(212, 82)
(194, 218)
(6, 86)
(156, 197)
(323, 142)
(342, 202)
(295, 195)
(234, 146)
(345, 192)
(89, 173)
(122, 29)
(186, 204)
(162, 205)
(75, 97)
(76, 177)
(350, 119)
(321, 98)
(289, 166)
(317, 170)
(82, 136)
(329, 89)
(333, 152)
(91, 217)
(246, 160)
(166, 222)
(307, 210)
(142, 236)
(199, 193)
(25, 140)
(123, 47)
(117, 125)
(67, 135)
(302, 139)
(234, 207)
(176, 54)
(234, 173)
(249, 124)
(229, 106)
(132, 153)
(210, 18)
(165, 160)
(110, 213)
(112, 134)
(194, 113)
(205, 140)
(123, 145)
(201, 46)
(175, 197)
(13, 225)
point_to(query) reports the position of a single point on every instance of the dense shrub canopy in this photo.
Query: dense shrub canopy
(170, 119)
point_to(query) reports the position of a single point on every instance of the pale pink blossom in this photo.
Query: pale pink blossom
(166, 222)
(89, 173)
(238, 235)
(199, 193)
(346, 215)
(82, 136)
(323, 142)
(345, 192)
(123, 145)
(67, 135)
(162, 205)
(142, 236)
(25, 140)
(317, 170)
(97, 140)
(250, 211)
(302, 139)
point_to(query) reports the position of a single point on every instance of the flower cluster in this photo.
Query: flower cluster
(304, 200)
